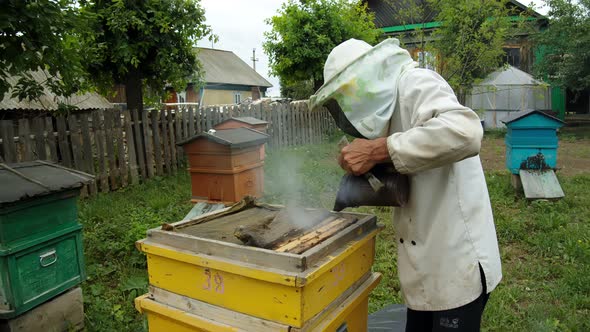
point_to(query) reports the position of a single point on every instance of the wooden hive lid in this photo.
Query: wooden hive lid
(247, 120)
(236, 138)
(25, 180)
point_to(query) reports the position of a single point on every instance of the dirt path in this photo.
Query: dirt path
(573, 156)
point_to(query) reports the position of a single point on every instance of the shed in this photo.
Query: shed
(531, 152)
(48, 101)
(226, 164)
(40, 237)
(505, 92)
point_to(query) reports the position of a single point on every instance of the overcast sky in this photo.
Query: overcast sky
(240, 26)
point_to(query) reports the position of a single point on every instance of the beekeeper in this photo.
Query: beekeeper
(448, 258)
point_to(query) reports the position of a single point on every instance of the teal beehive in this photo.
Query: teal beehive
(531, 141)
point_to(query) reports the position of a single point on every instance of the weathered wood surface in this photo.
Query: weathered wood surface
(148, 145)
(157, 142)
(8, 147)
(272, 230)
(540, 184)
(132, 157)
(39, 130)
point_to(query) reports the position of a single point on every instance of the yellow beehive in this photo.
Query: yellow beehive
(288, 289)
(182, 314)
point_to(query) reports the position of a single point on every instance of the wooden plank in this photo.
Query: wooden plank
(120, 144)
(165, 143)
(62, 138)
(172, 141)
(281, 124)
(24, 141)
(76, 142)
(99, 141)
(252, 255)
(8, 146)
(275, 126)
(540, 184)
(191, 123)
(298, 125)
(215, 313)
(157, 143)
(315, 236)
(178, 138)
(51, 136)
(365, 225)
(147, 141)
(130, 138)
(139, 145)
(39, 130)
(209, 118)
(87, 155)
(110, 149)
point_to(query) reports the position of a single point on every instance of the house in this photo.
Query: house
(227, 78)
(11, 107)
(401, 18)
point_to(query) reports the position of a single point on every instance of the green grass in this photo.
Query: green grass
(545, 246)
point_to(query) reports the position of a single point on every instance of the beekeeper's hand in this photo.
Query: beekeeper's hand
(361, 155)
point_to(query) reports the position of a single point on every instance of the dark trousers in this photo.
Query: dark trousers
(463, 319)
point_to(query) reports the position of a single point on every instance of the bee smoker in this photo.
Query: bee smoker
(358, 191)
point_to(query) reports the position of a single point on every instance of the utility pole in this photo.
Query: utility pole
(254, 58)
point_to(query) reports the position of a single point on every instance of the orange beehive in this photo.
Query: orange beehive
(226, 165)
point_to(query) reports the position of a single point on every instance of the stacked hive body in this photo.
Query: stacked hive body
(40, 237)
(215, 284)
(225, 165)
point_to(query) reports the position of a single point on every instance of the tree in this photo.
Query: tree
(470, 39)
(297, 90)
(303, 34)
(144, 44)
(565, 42)
(40, 35)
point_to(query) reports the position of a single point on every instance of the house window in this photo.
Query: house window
(237, 97)
(181, 97)
(513, 56)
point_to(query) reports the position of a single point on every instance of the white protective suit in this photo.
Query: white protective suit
(447, 227)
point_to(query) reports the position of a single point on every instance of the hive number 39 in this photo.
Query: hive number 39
(213, 282)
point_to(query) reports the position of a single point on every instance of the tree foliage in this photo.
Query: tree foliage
(566, 44)
(40, 35)
(144, 44)
(470, 40)
(304, 32)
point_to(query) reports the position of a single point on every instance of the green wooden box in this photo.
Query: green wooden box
(37, 270)
(34, 218)
(40, 237)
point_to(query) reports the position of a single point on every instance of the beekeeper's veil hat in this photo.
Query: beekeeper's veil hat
(360, 88)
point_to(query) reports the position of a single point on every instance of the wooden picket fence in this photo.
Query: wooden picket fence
(125, 147)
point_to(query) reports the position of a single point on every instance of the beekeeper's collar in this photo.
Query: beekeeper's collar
(364, 82)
